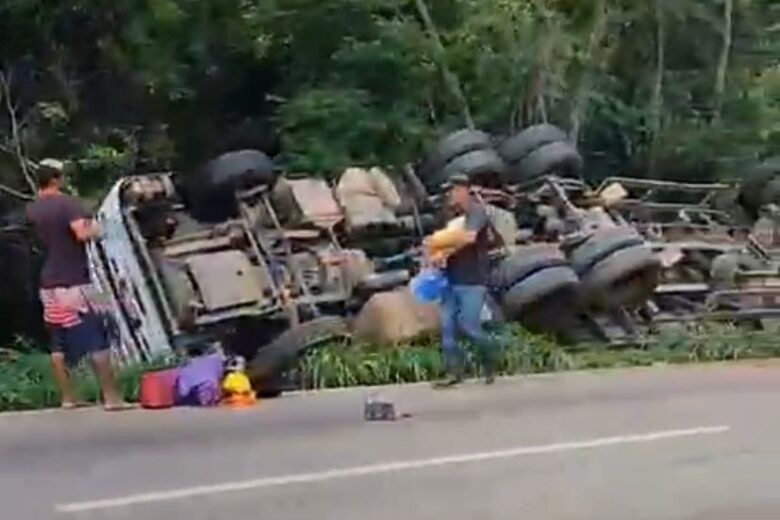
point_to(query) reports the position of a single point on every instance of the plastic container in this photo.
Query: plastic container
(158, 389)
(429, 285)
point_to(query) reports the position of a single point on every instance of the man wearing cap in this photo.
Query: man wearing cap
(70, 306)
(467, 272)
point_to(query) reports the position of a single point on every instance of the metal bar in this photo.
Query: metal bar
(546, 179)
(648, 194)
(669, 206)
(258, 248)
(687, 245)
(234, 313)
(197, 246)
(748, 291)
(200, 235)
(755, 247)
(665, 289)
(758, 274)
(135, 234)
(652, 183)
(291, 266)
(564, 199)
(755, 313)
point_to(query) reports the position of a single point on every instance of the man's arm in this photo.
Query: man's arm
(476, 220)
(83, 227)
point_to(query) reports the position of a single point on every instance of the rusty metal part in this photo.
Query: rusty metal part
(225, 280)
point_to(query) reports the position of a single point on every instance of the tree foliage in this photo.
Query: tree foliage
(672, 88)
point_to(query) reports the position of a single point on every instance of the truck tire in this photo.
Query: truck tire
(758, 192)
(450, 147)
(210, 192)
(384, 281)
(558, 157)
(242, 169)
(601, 245)
(516, 268)
(761, 187)
(514, 149)
(273, 358)
(625, 278)
(482, 167)
(539, 285)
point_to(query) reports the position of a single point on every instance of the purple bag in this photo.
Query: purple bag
(199, 381)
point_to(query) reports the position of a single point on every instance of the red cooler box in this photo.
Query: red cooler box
(158, 389)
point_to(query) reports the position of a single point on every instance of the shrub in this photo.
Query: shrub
(26, 381)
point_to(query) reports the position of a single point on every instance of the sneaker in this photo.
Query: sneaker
(450, 382)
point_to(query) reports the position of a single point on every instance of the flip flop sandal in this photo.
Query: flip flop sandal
(121, 407)
(74, 406)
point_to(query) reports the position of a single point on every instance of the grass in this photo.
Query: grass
(26, 381)
(338, 365)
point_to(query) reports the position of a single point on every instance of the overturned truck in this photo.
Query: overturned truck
(235, 257)
(266, 266)
(617, 261)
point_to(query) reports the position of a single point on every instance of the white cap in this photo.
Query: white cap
(54, 164)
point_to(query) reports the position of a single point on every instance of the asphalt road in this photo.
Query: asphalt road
(661, 444)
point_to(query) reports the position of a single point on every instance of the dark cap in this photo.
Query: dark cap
(458, 180)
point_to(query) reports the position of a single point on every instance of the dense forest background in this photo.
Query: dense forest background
(669, 88)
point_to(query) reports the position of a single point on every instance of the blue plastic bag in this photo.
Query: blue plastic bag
(429, 285)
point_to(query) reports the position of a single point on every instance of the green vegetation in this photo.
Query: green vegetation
(680, 88)
(26, 383)
(524, 353)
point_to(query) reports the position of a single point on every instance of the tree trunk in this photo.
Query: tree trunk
(16, 140)
(541, 107)
(69, 92)
(657, 102)
(725, 53)
(449, 77)
(580, 108)
(531, 104)
(543, 72)
(15, 193)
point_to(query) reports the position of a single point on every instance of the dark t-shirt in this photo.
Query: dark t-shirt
(470, 265)
(66, 258)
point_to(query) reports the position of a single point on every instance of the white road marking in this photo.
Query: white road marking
(386, 467)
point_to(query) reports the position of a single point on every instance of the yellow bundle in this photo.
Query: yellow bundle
(444, 242)
(236, 383)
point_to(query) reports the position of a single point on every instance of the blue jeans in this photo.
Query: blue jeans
(461, 308)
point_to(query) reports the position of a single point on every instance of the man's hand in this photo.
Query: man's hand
(439, 260)
(435, 258)
(85, 229)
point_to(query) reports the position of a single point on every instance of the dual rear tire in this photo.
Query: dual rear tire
(539, 150)
(465, 152)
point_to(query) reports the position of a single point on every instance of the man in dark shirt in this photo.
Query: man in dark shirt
(467, 272)
(70, 309)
